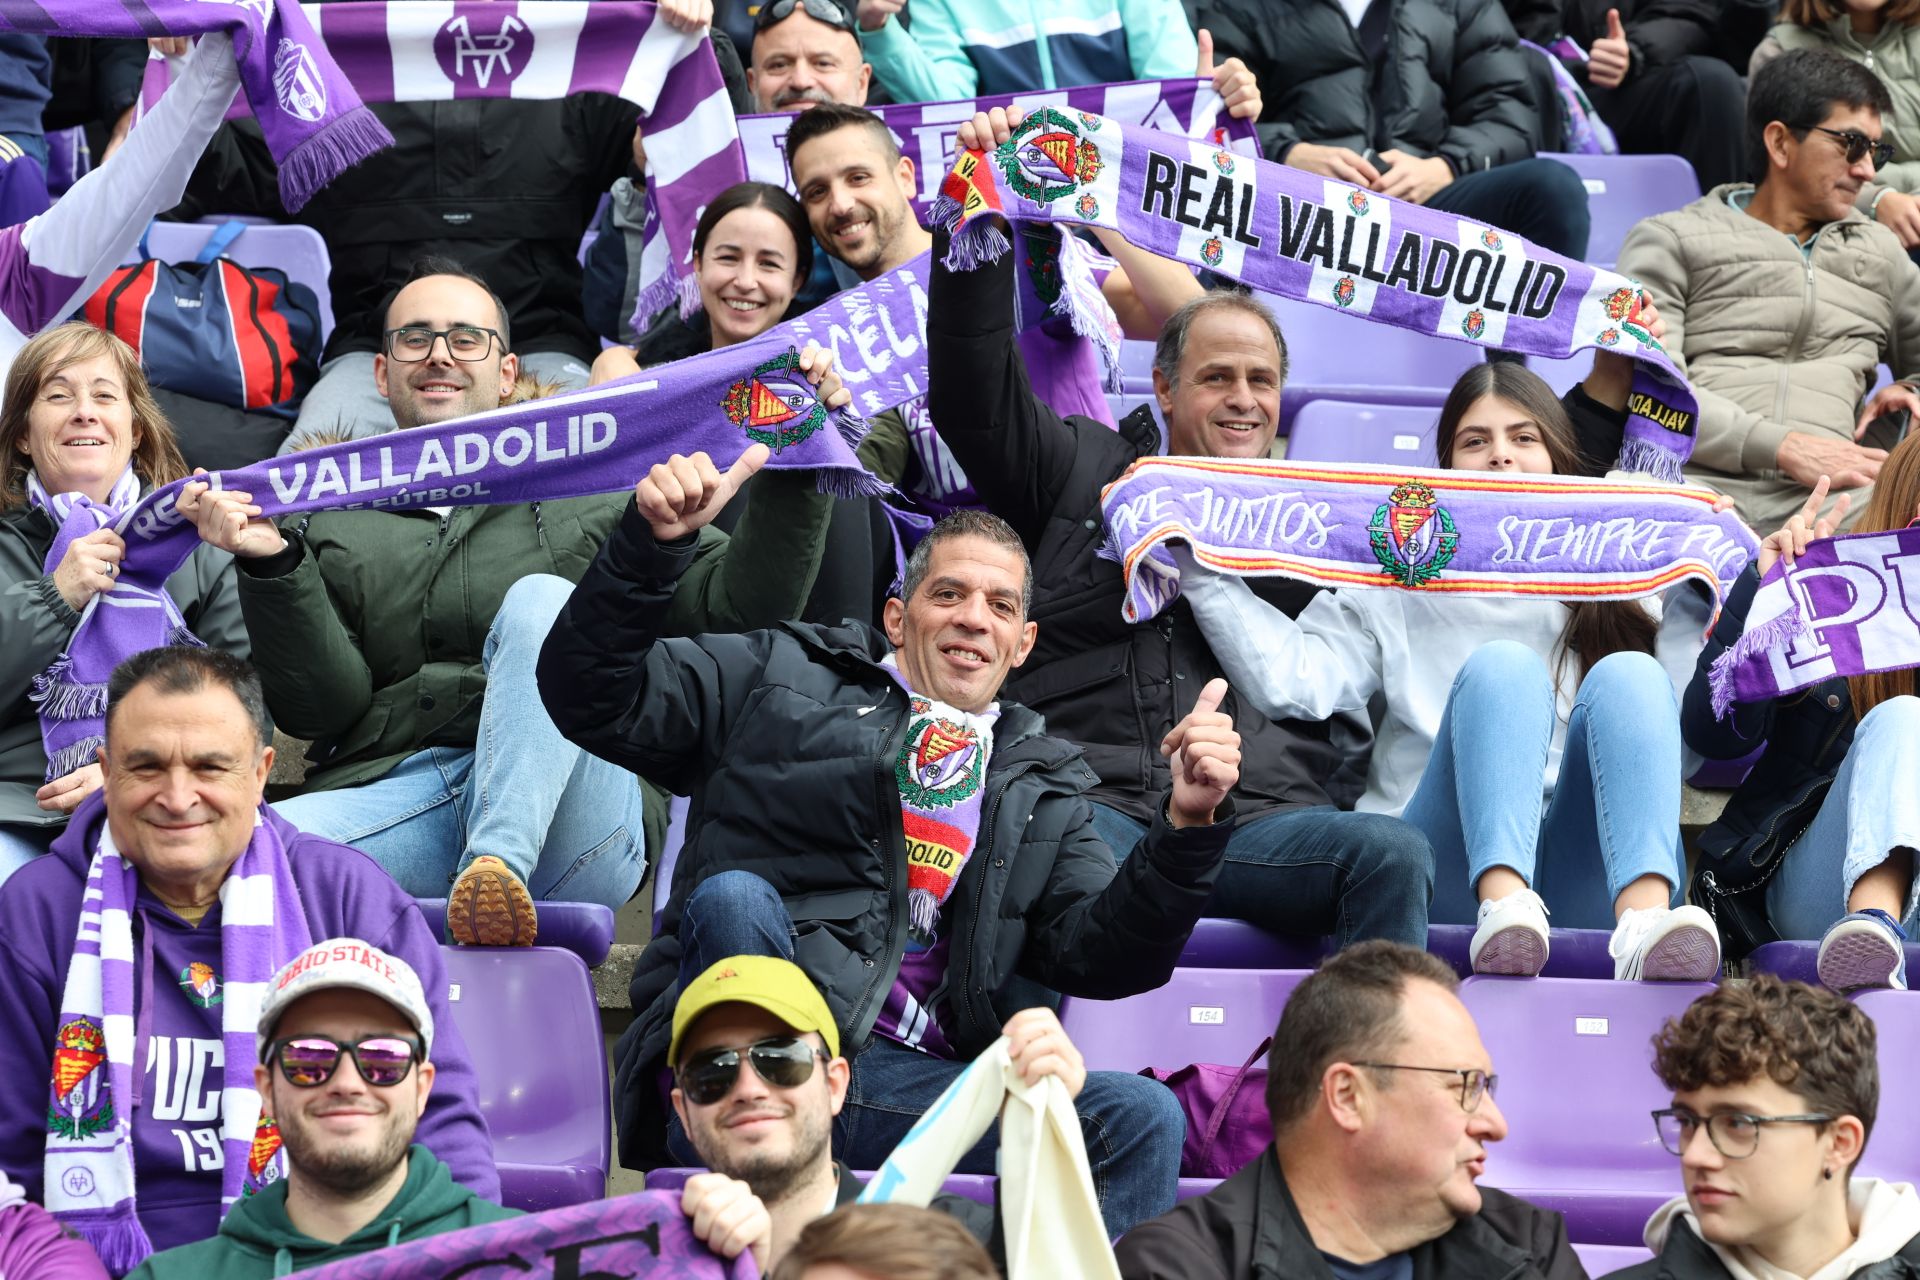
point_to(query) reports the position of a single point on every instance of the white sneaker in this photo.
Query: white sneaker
(1512, 936)
(1863, 950)
(1657, 944)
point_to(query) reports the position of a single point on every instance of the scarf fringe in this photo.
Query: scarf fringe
(60, 698)
(75, 755)
(657, 296)
(686, 292)
(1771, 636)
(329, 153)
(1649, 458)
(1079, 296)
(178, 635)
(923, 910)
(115, 1234)
(975, 245)
(944, 212)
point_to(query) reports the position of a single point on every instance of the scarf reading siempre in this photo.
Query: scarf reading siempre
(431, 51)
(1847, 607)
(1302, 236)
(1562, 537)
(315, 125)
(90, 1183)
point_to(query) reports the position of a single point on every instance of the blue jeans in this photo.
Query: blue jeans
(1543, 200)
(1313, 871)
(1133, 1125)
(1871, 810)
(1615, 812)
(566, 821)
(21, 845)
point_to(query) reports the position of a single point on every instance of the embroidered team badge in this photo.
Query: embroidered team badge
(1474, 323)
(1212, 251)
(1608, 337)
(201, 984)
(1223, 161)
(80, 1106)
(263, 1168)
(1343, 291)
(940, 765)
(1042, 262)
(1086, 206)
(1412, 535)
(1357, 201)
(1046, 158)
(776, 405)
(1623, 306)
(1491, 239)
(1090, 120)
(297, 85)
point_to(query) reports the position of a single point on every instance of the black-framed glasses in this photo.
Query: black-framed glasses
(1475, 1084)
(1734, 1134)
(307, 1062)
(414, 343)
(826, 11)
(1859, 146)
(782, 1061)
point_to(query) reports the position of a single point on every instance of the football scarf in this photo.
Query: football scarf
(940, 773)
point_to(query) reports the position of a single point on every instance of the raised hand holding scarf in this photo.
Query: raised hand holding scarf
(90, 1184)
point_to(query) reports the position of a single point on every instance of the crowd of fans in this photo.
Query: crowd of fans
(936, 779)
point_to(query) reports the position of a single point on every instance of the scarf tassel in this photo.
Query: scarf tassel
(975, 245)
(1079, 296)
(1771, 636)
(61, 698)
(75, 755)
(1649, 458)
(923, 910)
(179, 634)
(327, 154)
(115, 1234)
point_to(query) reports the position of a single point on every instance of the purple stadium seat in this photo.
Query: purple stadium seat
(1796, 960)
(1331, 356)
(1621, 190)
(532, 1027)
(1605, 1259)
(1571, 953)
(1344, 431)
(974, 1186)
(1893, 1150)
(1725, 775)
(298, 251)
(1235, 944)
(1200, 1015)
(584, 928)
(1136, 365)
(1577, 1091)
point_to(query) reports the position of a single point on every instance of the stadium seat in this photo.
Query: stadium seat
(1796, 959)
(298, 251)
(1571, 953)
(1136, 365)
(1621, 190)
(1201, 1015)
(1893, 1150)
(1605, 1259)
(584, 928)
(532, 1028)
(1577, 1089)
(1331, 356)
(1235, 944)
(1342, 431)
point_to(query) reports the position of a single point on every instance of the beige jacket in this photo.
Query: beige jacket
(1772, 339)
(1893, 54)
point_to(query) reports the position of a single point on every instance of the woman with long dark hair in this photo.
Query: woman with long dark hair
(1536, 743)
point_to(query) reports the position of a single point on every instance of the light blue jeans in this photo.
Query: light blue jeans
(566, 821)
(1872, 809)
(21, 845)
(1615, 812)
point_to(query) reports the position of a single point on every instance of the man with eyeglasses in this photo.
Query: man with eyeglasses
(402, 641)
(1383, 1104)
(1775, 1088)
(1781, 299)
(345, 1070)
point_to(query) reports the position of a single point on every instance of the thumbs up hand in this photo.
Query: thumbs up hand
(1239, 92)
(1611, 57)
(1205, 755)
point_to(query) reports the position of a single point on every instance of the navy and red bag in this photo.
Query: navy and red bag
(241, 336)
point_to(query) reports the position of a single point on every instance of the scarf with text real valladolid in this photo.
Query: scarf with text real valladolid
(1301, 236)
(941, 771)
(90, 1178)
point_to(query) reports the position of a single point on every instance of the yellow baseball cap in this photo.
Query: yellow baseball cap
(778, 986)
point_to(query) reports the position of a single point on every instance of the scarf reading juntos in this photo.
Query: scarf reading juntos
(940, 773)
(314, 123)
(1415, 528)
(89, 1165)
(72, 692)
(1301, 236)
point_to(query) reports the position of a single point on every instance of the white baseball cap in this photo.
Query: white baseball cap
(347, 963)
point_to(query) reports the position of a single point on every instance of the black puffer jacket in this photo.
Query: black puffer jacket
(1448, 79)
(1687, 1257)
(787, 740)
(1658, 31)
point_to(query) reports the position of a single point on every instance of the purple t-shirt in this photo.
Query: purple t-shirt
(910, 1015)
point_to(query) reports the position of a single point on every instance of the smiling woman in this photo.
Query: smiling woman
(81, 439)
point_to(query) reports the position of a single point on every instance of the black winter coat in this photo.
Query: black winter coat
(1427, 77)
(1687, 1257)
(1658, 31)
(787, 739)
(1111, 687)
(1248, 1229)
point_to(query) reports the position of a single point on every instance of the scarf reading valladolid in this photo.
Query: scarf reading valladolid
(1847, 607)
(1470, 532)
(1301, 236)
(432, 51)
(313, 122)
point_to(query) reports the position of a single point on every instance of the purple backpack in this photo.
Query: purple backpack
(1227, 1121)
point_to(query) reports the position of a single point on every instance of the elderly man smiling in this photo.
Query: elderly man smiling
(139, 952)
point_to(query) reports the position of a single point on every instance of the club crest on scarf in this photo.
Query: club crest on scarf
(1412, 535)
(265, 1166)
(776, 405)
(297, 84)
(1474, 323)
(940, 764)
(201, 984)
(81, 1106)
(469, 57)
(1623, 306)
(1047, 157)
(1343, 291)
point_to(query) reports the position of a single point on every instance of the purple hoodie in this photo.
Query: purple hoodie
(176, 1125)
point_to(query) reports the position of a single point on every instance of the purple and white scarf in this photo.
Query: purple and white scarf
(315, 125)
(1848, 606)
(1302, 236)
(72, 692)
(435, 51)
(1415, 528)
(90, 1183)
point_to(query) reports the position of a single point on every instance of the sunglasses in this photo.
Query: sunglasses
(782, 1061)
(827, 11)
(1858, 145)
(307, 1062)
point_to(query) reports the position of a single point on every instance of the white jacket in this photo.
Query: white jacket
(1884, 1216)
